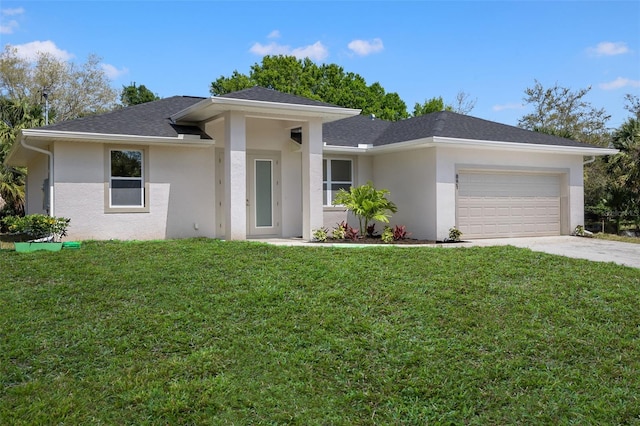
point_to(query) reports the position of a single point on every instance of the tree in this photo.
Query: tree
(431, 105)
(461, 105)
(367, 204)
(14, 116)
(624, 169)
(327, 83)
(73, 90)
(633, 105)
(134, 95)
(561, 111)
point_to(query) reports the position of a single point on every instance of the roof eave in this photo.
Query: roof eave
(198, 111)
(519, 146)
(179, 140)
(42, 137)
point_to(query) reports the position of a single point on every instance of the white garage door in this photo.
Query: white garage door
(496, 205)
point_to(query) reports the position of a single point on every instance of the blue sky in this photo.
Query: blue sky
(492, 50)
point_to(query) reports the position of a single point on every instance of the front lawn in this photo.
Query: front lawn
(208, 332)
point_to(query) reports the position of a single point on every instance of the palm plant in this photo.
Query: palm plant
(15, 115)
(624, 167)
(366, 203)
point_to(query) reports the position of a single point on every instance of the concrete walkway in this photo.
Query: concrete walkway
(627, 254)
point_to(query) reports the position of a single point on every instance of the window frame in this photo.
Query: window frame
(143, 179)
(329, 182)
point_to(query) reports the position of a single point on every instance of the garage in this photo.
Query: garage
(508, 204)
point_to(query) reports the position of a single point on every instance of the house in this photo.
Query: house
(260, 163)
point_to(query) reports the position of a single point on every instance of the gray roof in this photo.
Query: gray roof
(258, 93)
(356, 130)
(148, 119)
(153, 119)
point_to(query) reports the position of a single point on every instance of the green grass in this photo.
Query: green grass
(208, 332)
(614, 237)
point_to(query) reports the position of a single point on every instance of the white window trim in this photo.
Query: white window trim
(329, 182)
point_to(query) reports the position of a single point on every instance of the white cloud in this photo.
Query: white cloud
(12, 12)
(608, 48)
(272, 48)
(366, 47)
(316, 51)
(113, 72)
(619, 83)
(274, 34)
(508, 106)
(8, 27)
(30, 50)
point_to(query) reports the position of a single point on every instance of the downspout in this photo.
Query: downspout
(50, 155)
(589, 161)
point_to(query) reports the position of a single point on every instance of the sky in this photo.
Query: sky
(491, 50)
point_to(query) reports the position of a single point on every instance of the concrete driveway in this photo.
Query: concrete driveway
(627, 254)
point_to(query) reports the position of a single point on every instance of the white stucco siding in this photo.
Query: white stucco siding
(272, 136)
(410, 178)
(452, 160)
(181, 194)
(37, 172)
(189, 176)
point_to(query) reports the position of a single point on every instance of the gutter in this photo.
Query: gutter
(50, 155)
(589, 161)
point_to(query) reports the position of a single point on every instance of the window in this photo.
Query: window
(126, 181)
(336, 174)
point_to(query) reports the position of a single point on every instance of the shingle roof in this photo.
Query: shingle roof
(148, 119)
(152, 119)
(258, 93)
(351, 131)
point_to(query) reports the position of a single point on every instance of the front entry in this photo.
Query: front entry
(263, 195)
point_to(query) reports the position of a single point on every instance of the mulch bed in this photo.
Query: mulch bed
(369, 240)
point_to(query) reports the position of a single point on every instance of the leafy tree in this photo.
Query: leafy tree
(624, 169)
(431, 105)
(134, 95)
(73, 90)
(14, 116)
(366, 203)
(327, 83)
(462, 105)
(561, 111)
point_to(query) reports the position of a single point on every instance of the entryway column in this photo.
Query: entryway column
(235, 174)
(312, 212)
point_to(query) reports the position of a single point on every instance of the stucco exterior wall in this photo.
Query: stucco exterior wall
(181, 198)
(37, 172)
(410, 177)
(451, 160)
(362, 173)
(264, 135)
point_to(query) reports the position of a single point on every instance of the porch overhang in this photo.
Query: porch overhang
(213, 107)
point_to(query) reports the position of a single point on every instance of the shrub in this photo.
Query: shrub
(454, 234)
(340, 231)
(366, 203)
(371, 230)
(320, 235)
(387, 235)
(400, 232)
(38, 226)
(345, 232)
